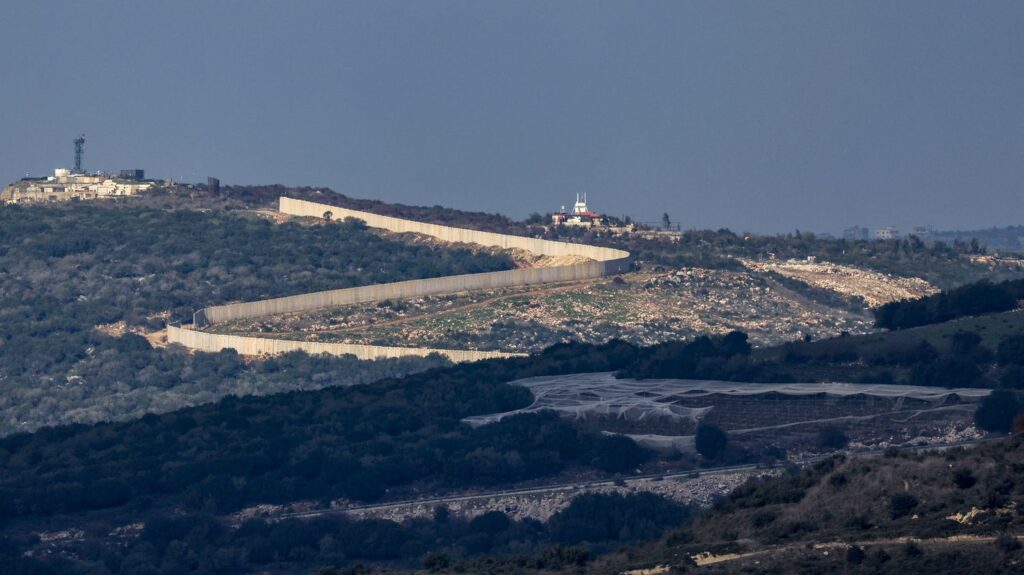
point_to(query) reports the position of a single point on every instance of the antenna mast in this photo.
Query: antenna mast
(79, 150)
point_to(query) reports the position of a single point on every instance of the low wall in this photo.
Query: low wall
(605, 261)
(246, 345)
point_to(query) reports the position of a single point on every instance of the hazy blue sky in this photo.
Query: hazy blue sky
(762, 116)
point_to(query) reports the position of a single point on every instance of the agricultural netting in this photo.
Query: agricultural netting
(586, 395)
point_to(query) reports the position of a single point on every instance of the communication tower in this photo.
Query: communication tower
(79, 150)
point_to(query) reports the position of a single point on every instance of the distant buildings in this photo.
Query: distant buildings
(75, 184)
(64, 185)
(858, 233)
(855, 233)
(923, 233)
(886, 233)
(134, 175)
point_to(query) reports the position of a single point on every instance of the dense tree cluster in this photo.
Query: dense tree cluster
(832, 437)
(597, 517)
(124, 378)
(998, 411)
(710, 441)
(690, 360)
(973, 299)
(959, 360)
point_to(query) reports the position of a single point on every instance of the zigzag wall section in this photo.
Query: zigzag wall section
(605, 261)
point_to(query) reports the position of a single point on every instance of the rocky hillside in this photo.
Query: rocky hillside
(642, 308)
(953, 511)
(874, 288)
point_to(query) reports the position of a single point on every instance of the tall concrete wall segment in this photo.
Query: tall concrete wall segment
(605, 261)
(295, 207)
(246, 345)
(402, 290)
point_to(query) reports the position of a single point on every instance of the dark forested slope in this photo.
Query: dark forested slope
(67, 270)
(202, 543)
(354, 442)
(88, 263)
(979, 298)
(360, 442)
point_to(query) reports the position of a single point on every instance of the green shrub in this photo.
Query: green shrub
(855, 555)
(832, 437)
(1007, 543)
(901, 504)
(997, 411)
(762, 519)
(711, 441)
(964, 478)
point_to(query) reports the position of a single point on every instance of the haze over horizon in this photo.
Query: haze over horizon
(763, 117)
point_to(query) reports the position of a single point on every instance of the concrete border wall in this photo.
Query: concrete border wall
(449, 234)
(403, 290)
(605, 261)
(247, 345)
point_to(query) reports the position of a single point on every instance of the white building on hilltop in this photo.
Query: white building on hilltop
(580, 215)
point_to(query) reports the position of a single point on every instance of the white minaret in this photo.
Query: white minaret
(580, 207)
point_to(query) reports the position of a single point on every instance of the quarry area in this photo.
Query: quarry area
(643, 308)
